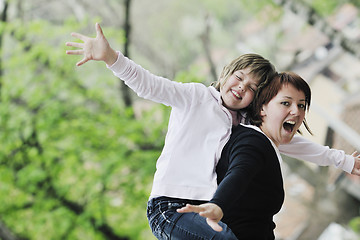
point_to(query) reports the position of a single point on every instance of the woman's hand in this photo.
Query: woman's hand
(210, 211)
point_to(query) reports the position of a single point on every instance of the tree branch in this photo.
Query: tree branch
(314, 19)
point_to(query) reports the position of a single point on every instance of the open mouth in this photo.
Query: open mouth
(236, 94)
(289, 126)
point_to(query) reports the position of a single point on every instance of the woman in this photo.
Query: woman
(250, 188)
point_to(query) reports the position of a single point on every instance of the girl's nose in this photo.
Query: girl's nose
(241, 87)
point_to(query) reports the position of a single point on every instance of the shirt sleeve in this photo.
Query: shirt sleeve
(246, 160)
(149, 86)
(304, 149)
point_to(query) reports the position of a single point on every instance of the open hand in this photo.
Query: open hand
(97, 48)
(210, 211)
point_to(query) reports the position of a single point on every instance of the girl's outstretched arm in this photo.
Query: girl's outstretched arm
(97, 48)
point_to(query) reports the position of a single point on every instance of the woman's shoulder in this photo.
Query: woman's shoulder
(249, 134)
(245, 129)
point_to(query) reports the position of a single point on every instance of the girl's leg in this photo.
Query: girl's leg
(167, 223)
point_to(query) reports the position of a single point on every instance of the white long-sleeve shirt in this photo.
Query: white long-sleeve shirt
(199, 127)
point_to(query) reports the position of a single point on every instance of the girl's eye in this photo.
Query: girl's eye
(253, 89)
(285, 103)
(238, 78)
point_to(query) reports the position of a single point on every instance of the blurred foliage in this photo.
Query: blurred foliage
(328, 7)
(355, 224)
(74, 163)
(325, 8)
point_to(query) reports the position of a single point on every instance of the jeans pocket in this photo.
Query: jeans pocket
(156, 219)
(158, 225)
(149, 209)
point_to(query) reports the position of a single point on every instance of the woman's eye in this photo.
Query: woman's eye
(285, 103)
(302, 106)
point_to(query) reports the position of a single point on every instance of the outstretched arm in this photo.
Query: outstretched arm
(97, 48)
(141, 81)
(210, 211)
(304, 149)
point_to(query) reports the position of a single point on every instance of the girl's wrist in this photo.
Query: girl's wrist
(111, 57)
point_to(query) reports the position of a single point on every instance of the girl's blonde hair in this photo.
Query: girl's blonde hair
(260, 68)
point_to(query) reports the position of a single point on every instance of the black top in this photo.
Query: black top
(250, 188)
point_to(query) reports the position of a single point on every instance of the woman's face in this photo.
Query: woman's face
(283, 115)
(239, 90)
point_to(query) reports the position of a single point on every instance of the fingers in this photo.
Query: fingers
(214, 225)
(204, 212)
(99, 32)
(79, 36)
(75, 52)
(189, 208)
(356, 169)
(84, 60)
(207, 213)
(85, 46)
(355, 154)
(75, 44)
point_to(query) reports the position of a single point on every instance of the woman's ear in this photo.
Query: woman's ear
(262, 112)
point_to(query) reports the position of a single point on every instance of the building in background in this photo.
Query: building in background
(334, 117)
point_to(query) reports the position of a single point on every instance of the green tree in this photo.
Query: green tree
(75, 163)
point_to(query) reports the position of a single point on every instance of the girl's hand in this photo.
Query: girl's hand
(356, 169)
(210, 211)
(97, 48)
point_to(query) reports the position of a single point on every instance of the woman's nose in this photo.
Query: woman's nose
(295, 110)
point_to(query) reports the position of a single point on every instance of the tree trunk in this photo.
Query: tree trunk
(126, 94)
(3, 19)
(5, 233)
(205, 38)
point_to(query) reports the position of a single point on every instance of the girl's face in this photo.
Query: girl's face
(283, 115)
(239, 90)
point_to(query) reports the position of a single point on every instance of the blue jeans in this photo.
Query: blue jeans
(166, 223)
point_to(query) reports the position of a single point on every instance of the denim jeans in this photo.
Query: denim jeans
(166, 223)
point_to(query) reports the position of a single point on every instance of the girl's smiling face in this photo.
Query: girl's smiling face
(284, 114)
(239, 90)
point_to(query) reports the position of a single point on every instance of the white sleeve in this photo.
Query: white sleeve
(304, 149)
(149, 86)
